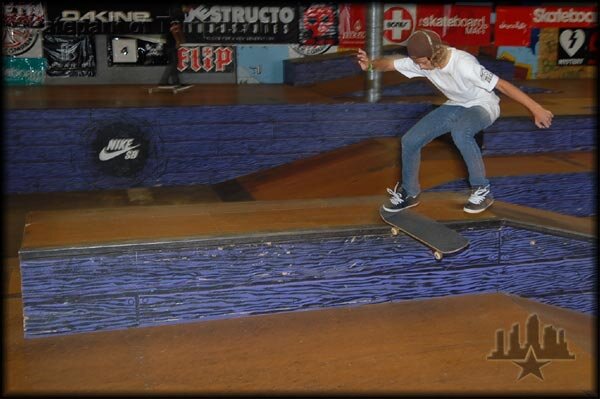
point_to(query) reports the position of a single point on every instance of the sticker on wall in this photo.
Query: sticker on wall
(399, 22)
(24, 15)
(137, 50)
(302, 50)
(573, 46)
(208, 59)
(70, 56)
(319, 24)
(260, 63)
(22, 42)
(24, 71)
(353, 25)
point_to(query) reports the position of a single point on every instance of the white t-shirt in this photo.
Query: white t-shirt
(464, 81)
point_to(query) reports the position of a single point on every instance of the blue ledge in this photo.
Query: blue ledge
(122, 287)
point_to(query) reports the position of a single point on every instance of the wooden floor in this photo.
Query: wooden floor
(437, 345)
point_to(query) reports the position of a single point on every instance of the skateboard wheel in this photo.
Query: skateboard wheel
(438, 255)
(395, 231)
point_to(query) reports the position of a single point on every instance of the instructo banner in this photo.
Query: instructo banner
(241, 24)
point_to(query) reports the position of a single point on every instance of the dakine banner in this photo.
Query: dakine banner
(241, 24)
(80, 18)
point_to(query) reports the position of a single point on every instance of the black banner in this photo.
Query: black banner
(82, 18)
(241, 24)
(70, 55)
(319, 24)
(212, 59)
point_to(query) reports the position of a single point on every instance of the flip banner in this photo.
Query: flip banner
(207, 59)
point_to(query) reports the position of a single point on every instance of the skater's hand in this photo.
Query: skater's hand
(363, 59)
(542, 118)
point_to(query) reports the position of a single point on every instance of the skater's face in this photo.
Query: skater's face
(423, 63)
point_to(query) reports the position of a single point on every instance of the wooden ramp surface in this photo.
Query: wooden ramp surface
(74, 228)
(428, 346)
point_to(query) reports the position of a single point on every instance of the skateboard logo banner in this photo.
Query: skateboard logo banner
(532, 355)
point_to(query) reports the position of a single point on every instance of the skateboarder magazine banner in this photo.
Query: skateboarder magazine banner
(70, 56)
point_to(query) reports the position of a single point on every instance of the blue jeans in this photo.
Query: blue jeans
(463, 123)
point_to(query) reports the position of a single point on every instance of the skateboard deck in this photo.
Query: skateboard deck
(441, 239)
(172, 88)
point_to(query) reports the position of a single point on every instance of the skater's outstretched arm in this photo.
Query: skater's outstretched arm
(541, 116)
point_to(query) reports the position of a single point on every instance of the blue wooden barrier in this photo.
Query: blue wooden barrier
(52, 150)
(567, 193)
(70, 291)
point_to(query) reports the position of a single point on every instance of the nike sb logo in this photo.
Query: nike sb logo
(116, 147)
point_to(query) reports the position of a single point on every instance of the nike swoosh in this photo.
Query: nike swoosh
(105, 155)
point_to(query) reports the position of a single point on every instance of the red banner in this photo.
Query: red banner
(353, 25)
(513, 26)
(460, 25)
(514, 23)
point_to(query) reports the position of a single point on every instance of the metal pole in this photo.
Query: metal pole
(374, 48)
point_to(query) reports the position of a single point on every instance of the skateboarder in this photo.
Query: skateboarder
(472, 106)
(174, 40)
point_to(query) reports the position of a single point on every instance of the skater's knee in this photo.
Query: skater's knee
(410, 141)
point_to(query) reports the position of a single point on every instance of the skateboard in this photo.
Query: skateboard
(441, 239)
(172, 88)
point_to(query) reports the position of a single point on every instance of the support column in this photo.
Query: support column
(374, 48)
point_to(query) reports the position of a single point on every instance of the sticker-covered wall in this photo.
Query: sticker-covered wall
(113, 44)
